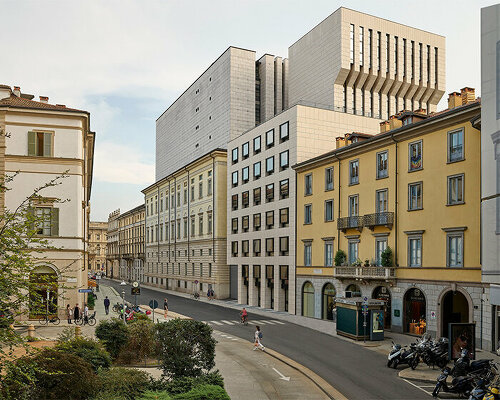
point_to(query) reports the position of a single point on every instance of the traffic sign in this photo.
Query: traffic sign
(84, 290)
(153, 304)
(135, 290)
(196, 282)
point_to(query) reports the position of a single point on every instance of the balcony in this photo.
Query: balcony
(346, 223)
(379, 273)
(379, 219)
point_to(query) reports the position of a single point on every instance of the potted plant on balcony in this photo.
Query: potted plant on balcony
(340, 258)
(357, 263)
(386, 258)
(367, 263)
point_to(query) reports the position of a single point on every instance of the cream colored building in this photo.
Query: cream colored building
(44, 141)
(186, 228)
(131, 244)
(112, 249)
(97, 245)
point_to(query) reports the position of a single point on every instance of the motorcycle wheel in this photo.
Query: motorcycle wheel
(414, 363)
(395, 364)
(436, 390)
(442, 363)
(389, 363)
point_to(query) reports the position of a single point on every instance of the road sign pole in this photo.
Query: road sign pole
(123, 298)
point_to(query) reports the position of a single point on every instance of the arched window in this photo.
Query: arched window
(353, 291)
(328, 296)
(43, 291)
(308, 300)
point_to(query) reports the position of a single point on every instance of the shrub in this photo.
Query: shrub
(141, 317)
(91, 301)
(204, 392)
(149, 395)
(113, 334)
(386, 257)
(90, 350)
(141, 341)
(185, 384)
(66, 335)
(340, 258)
(186, 348)
(124, 383)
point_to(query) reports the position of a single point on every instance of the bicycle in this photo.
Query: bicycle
(53, 320)
(90, 320)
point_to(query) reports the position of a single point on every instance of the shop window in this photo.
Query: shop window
(308, 300)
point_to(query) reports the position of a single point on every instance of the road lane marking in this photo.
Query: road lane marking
(418, 387)
(269, 322)
(278, 322)
(256, 321)
(285, 378)
(216, 323)
(227, 322)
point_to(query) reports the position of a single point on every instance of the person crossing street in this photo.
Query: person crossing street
(258, 337)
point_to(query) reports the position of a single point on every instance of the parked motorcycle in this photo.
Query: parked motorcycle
(462, 385)
(401, 355)
(434, 352)
(464, 366)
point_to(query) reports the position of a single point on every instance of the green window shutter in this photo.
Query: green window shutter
(30, 216)
(32, 143)
(47, 144)
(54, 222)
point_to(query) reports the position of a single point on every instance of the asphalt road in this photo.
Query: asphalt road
(356, 372)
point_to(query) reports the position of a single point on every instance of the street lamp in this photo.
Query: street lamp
(123, 303)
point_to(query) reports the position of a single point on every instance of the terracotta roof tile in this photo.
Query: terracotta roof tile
(14, 101)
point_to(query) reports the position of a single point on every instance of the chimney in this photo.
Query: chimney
(468, 95)
(61, 105)
(454, 100)
(44, 99)
(384, 126)
(340, 142)
(421, 111)
(17, 91)
(394, 123)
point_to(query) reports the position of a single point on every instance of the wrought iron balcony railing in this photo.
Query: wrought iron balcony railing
(379, 219)
(350, 223)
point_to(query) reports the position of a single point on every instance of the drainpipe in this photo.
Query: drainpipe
(338, 205)
(213, 207)
(395, 204)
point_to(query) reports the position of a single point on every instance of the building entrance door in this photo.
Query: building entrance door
(414, 306)
(454, 308)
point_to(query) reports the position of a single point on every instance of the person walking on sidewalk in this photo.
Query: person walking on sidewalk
(258, 338)
(86, 313)
(69, 313)
(165, 308)
(106, 305)
(76, 313)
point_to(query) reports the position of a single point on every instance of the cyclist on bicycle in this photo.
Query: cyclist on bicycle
(244, 315)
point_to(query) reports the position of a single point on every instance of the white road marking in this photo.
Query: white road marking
(216, 323)
(269, 322)
(227, 322)
(256, 321)
(278, 322)
(285, 378)
(418, 387)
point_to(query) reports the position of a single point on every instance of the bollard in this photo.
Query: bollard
(31, 331)
(78, 331)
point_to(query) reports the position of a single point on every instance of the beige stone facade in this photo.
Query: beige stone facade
(97, 245)
(186, 228)
(46, 141)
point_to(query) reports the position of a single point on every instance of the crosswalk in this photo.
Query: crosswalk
(250, 322)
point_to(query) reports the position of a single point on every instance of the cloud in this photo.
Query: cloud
(118, 163)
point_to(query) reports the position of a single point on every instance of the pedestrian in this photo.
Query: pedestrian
(69, 313)
(212, 294)
(76, 313)
(106, 305)
(165, 308)
(208, 294)
(258, 338)
(86, 313)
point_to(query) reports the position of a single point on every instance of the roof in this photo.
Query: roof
(20, 102)
(133, 210)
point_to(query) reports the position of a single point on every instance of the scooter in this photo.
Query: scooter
(462, 385)
(464, 366)
(401, 355)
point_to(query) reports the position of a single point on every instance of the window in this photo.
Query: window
(270, 246)
(381, 201)
(209, 184)
(244, 174)
(329, 178)
(353, 251)
(354, 172)
(234, 249)
(351, 43)
(256, 145)
(256, 247)
(415, 251)
(456, 145)
(234, 201)
(270, 165)
(47, 221)
(269, 219)
(235, 155)
(353, 206)
(256, 170)
(396, 58)
(284, 217)
(40, 144)
(456, 189)
(192, 226)
(245, 199)
(284, 189)
(455, 249)
(308, 214)
(185, 227)
(415, 196)
(329, 254)
(308, 184)
(245, 150)
(361, 45)
(380, 246)
(256, 196)
(415, 156)
(256, 222)
(234, 178)
(382, 165)
(284, 132)
(270, 138)
(328, 210)
(307, 254)
(209, 217)
(200, 187)
(245, 223)
(284, 160)
(284, 246)
(192, 189)
(245, 248)
(200, 225)
(269, 192)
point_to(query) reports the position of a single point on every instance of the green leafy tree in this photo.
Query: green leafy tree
(141, 342)
(340, 258)
(186, 348)
(386, 257)
(88, 349)
(126, 383)
(114, 335)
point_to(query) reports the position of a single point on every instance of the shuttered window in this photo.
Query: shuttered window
(40, 144)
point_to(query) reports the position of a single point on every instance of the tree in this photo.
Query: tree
(186, 348)
(88, 349)
(114, 335)
(141, 341)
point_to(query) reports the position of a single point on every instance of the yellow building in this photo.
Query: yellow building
(413, 188)
(97, 245)
(186, 228)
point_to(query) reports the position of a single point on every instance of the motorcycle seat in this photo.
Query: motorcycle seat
(479, 363)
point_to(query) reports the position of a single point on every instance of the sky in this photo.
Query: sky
(126, 61)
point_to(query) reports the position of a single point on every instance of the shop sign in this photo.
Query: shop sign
(433, 314)
(397, 313)
(318, 271)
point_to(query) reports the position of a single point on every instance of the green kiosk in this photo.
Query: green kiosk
(360, 318)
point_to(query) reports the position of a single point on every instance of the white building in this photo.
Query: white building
(44, 141)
